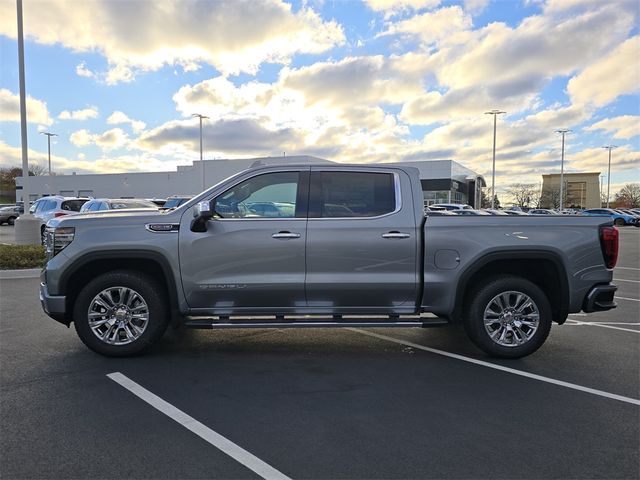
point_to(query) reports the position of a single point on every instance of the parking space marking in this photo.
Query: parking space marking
(627, 268)
(573, 386)
(221, 443)
(625, 280)
(625, 298)
(598, 324)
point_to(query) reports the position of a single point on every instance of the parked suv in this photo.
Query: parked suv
(619, 218)
(46, 208)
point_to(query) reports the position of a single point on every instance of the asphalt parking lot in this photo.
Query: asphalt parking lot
(408, 403)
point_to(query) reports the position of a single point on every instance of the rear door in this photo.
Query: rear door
(250, 259)
(361, 240)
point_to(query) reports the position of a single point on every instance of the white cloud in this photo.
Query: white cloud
(540, 46)
(609, 77)
(475, 7)
(10, 108)
(109, 140)
(119, 117)
(84, 114)
(431, 27)
(83, 71)
(234, 36)
(394, 7)
(622, 127)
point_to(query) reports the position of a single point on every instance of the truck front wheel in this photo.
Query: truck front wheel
(121, 313)
(508, 317)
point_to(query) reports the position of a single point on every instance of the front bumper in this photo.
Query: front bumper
(600, 298)
(54, 305)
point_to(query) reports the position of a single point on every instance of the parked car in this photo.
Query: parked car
(451, 206)
(124, 276)
(8, 215)
(438, 213)
(619, 218)
(470, 212)
(542, 211)
(515, 212)
(175, 201)
(99, 204)
(54, 206)
(493, 211)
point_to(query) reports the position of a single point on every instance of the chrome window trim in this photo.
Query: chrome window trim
(396, 186)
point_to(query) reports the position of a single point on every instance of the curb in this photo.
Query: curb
(24, 273)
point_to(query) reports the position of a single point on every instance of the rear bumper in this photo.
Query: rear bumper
(54, 305)
(600, 298)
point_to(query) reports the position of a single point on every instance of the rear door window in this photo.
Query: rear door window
(351, 194)
(72, 205)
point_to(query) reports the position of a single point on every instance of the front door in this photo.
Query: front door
(361, 241)
(252, 256)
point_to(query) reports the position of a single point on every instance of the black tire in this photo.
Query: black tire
(151, 291)
(11, 220)
(618, 222)
(480, 300)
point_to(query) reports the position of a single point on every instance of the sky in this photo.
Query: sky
(351, 81)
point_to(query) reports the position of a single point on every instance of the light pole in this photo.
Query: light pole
(563, 132)
(495, 114)
(201, 117)
(609, 147)
(49, 135)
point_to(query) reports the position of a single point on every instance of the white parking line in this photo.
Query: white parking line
(573, 386)
(625, 280)
(221, 443)
(598, 324)
(625, 298)
(627, 268)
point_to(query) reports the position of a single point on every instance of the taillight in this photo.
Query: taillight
(609, 245)
(60, 214)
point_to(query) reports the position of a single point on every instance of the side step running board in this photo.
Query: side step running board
(213, 323)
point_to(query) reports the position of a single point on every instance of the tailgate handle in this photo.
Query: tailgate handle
(285, 235)
(397, 235)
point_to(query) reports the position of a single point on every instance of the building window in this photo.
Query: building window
(85, 193)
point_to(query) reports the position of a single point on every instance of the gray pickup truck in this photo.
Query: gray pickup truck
(280, 246)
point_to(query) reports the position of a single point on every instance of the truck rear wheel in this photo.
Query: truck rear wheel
(121, 313)
(508, 317)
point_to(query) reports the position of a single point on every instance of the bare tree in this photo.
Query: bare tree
(629, 196)
(485, 201)
(36, 170)
(550, 197)
(523, 194)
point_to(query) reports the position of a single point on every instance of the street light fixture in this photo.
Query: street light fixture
(563, 132)
(609, 147)
(49, 135)
(201, 117)
(495, 114)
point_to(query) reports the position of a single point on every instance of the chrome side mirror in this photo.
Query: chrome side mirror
(202, 213)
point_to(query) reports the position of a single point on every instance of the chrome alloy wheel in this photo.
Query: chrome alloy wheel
(118, 315)
(511, 319)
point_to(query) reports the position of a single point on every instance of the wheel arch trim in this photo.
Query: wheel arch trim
(516, 254)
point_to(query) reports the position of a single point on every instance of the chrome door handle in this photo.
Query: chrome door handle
(397, 235)
(285, 235)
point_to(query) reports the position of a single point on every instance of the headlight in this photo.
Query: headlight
(57, 238)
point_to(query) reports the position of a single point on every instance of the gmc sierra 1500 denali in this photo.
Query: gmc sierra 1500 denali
(282, 244)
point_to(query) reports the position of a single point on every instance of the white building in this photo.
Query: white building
(442, 180)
